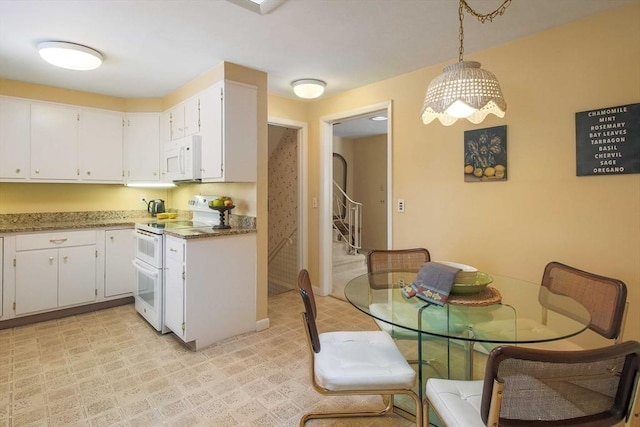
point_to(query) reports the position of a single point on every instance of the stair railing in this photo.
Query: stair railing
(347, 218)
(286, 241)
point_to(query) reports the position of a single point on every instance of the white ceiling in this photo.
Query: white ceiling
(152, 47)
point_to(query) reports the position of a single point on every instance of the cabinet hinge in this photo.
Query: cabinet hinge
(14, 262)
(14, 306)
(96, 257)
(78, 172)
(96, 291)
(78, 117)
(182, 325)
(183, 275)
(122, 122)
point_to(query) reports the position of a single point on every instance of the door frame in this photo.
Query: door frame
(326, 184)
(303, 177)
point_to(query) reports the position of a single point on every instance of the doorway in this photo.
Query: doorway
(287, 234)
(327, 137)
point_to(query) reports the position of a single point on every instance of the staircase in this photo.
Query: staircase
(346, 265)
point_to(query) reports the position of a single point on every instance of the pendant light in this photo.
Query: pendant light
(464, 90)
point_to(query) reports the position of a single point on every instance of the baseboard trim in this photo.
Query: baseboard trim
(65, 312)
(262, 324)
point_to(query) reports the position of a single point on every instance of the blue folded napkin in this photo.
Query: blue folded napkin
(434, 282)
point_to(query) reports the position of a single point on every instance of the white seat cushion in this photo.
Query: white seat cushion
(361, 360)
(456, 402)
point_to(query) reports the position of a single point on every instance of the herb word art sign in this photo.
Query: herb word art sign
(608, 141)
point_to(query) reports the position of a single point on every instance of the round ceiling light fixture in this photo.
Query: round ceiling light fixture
(70, 55)
(308, 88)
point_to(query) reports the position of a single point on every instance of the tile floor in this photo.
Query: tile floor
(109, 368)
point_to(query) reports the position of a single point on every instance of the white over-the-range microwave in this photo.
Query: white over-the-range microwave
(182, 159)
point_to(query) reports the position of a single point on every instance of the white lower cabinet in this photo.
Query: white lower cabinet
(210, 287)
(54, 270)
(119, 274)
(175, 285)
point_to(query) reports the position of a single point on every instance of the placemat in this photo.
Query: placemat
(487, 296)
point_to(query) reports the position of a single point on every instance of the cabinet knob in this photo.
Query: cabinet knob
(50, 260)
(111, 237)
(155, 173)
(65, 258)
(18, 170)
(88, 172)
(37, 170)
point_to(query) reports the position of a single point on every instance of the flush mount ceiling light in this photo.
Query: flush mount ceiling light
(70, 55)
(308, 88)
(464, 90)
(261, 7)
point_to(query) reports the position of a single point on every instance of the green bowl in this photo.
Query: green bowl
(482, 280)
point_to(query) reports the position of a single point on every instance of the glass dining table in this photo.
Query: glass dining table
(473, 321)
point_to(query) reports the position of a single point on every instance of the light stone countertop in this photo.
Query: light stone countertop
(50, 221)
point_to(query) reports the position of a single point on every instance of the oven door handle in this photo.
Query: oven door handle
(149, 272)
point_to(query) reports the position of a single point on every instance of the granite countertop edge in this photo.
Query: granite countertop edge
(69, 225)
(206, 233)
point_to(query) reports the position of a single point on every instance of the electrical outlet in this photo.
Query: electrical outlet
(401, 205)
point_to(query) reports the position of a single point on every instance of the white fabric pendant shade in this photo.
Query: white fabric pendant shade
(463, 84)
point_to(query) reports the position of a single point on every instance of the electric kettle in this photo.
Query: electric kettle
(155, 207)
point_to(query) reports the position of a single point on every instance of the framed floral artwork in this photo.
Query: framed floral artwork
(485, 154)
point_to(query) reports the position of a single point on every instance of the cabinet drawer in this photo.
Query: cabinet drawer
(59, 239)
(175, 249)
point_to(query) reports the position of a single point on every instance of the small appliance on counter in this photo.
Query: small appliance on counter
(154, 207)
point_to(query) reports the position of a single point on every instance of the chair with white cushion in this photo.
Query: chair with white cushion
(525, 386)
(354, 363)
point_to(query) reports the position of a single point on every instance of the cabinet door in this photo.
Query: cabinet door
(54, 142)
(142, 147)
(229, 129)
(176, 117)
(100, 150)
(174, 286)
(211, 131)
(240, 129)
(119, 274)
(192, 116)
(14, 138)
(36, 280)
(76, 275)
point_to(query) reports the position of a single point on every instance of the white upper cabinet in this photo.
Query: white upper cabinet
(142, 147)
(101, 146)
(184, 118)
(14, 138)
(229, 129)
(54, 142)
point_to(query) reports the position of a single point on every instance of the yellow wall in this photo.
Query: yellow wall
(543, 212)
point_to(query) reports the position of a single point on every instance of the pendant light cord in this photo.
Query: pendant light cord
(482, 18)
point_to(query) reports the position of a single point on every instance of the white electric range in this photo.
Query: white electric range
(149, 260)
